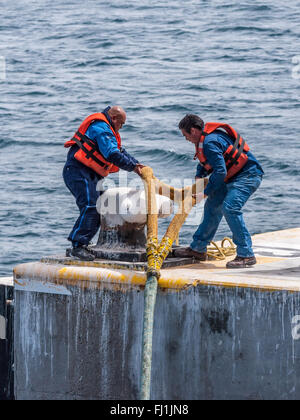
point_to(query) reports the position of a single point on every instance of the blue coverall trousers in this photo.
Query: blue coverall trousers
(82, 184)
(228, 201)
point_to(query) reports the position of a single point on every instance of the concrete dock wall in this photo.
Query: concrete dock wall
(227, 343)
(210, 342)
(83, 346)
(6, 339)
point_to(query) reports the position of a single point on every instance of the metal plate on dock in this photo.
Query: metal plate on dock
(118, 264)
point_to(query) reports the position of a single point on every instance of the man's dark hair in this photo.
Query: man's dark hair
(191, 121)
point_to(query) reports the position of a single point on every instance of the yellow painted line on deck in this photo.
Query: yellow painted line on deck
(170, 279)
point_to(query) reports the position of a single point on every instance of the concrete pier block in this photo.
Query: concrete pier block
(218, 334)
(6, 339)
(82, 345)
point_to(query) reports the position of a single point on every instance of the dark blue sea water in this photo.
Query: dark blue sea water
(223, 60)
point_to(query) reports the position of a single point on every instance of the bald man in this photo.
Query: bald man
(95, 152)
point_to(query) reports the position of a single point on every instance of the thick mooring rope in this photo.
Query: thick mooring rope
(220, 252)
(157, 253)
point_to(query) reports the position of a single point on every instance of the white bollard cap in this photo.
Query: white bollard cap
(119, 205)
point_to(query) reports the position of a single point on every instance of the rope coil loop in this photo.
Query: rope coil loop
(221, 252)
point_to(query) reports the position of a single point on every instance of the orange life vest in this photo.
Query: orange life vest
(88, 153)
(235, 156)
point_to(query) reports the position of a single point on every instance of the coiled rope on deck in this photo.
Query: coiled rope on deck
(220, 252)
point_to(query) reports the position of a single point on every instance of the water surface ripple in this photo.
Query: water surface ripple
(66, 59)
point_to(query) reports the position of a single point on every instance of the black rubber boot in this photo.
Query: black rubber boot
(82, 253)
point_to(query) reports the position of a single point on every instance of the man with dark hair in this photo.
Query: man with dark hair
(235, 175)
(191, 121)
(95, 152)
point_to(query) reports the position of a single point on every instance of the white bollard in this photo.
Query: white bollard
(123, 216)
(119, 205)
